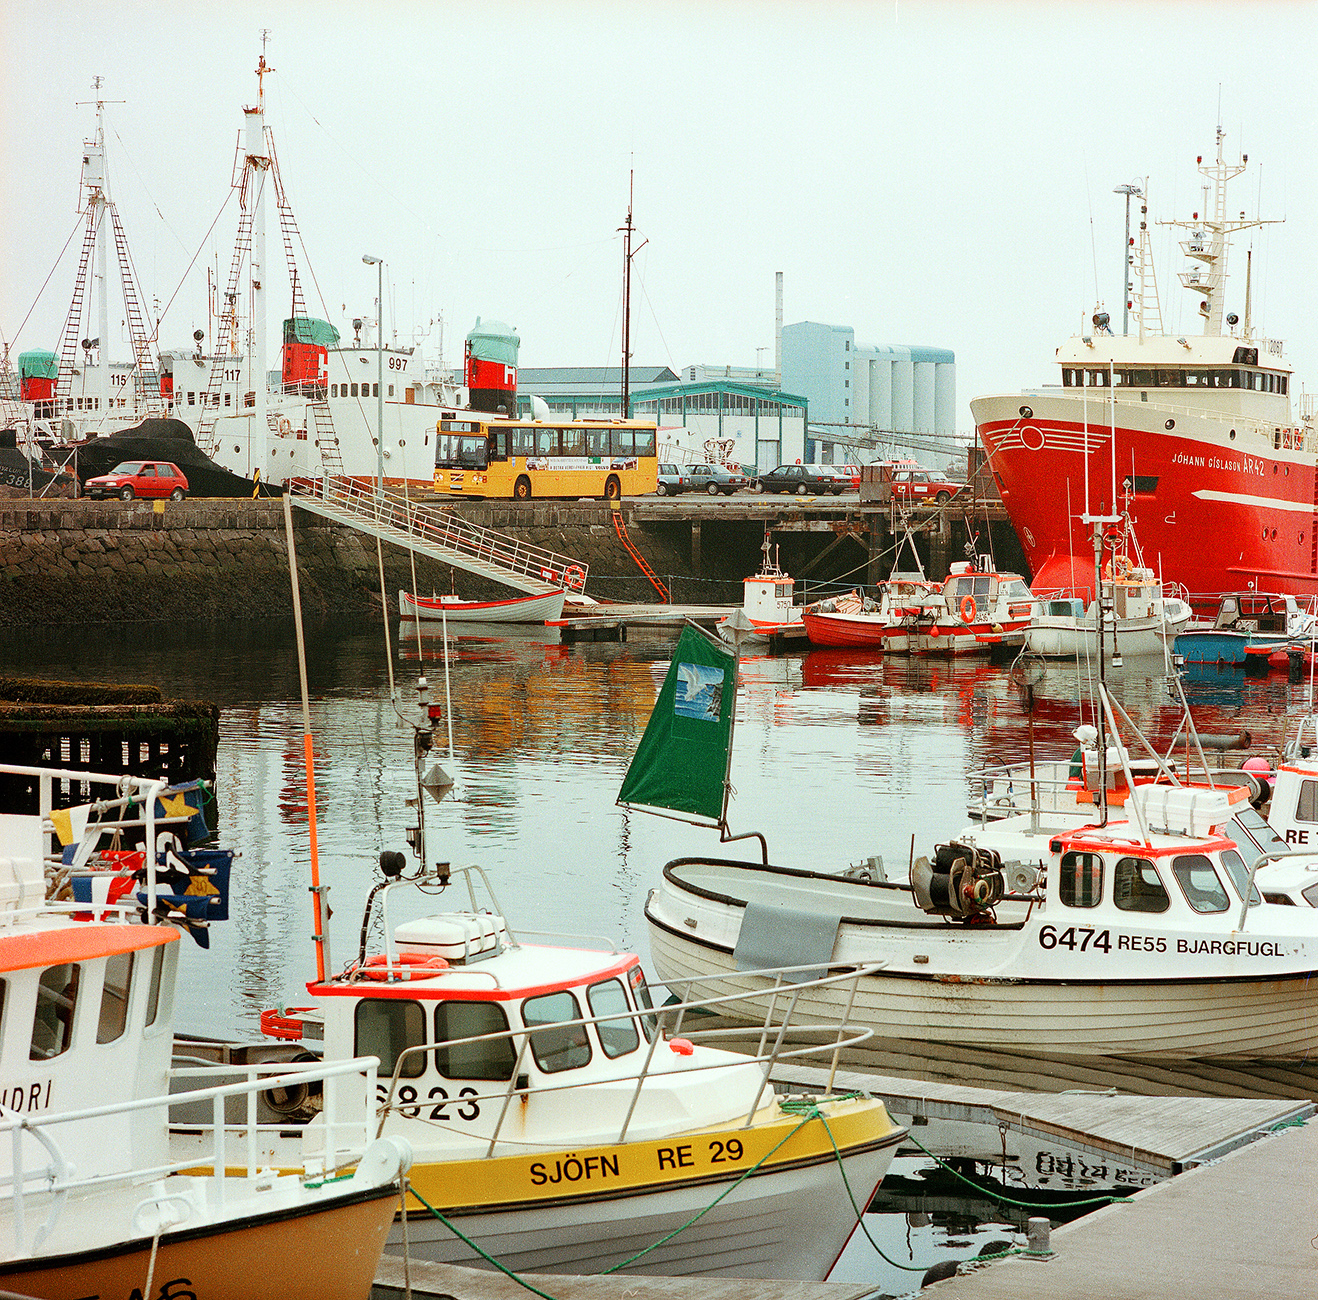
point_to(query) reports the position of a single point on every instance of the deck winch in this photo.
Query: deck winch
(963, 881)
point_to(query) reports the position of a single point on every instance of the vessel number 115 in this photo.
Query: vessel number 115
(1081, 937)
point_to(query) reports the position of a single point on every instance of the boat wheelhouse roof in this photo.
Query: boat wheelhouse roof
(1188, 350)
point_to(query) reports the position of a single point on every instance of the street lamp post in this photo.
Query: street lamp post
(1128, 191)
(378, 263)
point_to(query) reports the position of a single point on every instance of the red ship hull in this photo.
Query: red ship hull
(1216, 507)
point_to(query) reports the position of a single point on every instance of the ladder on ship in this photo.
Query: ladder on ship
(440, 535)
(620, 527)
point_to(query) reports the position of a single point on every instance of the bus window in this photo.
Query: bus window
(523, 442)
(597, 442)
(499, 445)
(460, 451)
(620, 442)
(546, 442)
(574, 442)
(645, 442)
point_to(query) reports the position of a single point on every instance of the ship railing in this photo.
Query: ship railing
(397, 511)
(1010, 788)
(52, 1176)
(762, 1002)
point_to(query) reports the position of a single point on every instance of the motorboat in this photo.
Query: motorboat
(562, 1124)
(1127, 925)
(979, 609)
(859, 621)
(1130, 941)
(1140, 616)
(768, 608)
(1246, 623)
(96, 1200)
(1200, 433)
(452, 609)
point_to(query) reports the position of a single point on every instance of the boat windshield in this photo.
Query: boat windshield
(1239, 873)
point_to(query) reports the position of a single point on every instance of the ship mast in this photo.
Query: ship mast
(1209, 237)
(627, 254)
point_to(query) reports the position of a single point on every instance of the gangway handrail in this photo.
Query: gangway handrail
(399, 514)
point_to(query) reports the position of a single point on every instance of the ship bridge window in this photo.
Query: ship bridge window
(1169, 378)
(1080, 881)
(1136, 886)
(57, 1000)
(386, 1027)
(1098, 378)
(1199, 883)
(617, 1037)
(492, 1058)
(558, 1044)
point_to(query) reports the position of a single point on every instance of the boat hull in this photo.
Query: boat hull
(867, 631)
(995, 986)
(1060, 637)
(789, 1219)
(318, 1253)
(1216, 503)
(520, 609)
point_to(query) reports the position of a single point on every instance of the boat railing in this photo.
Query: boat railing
(782, 1038)
(1015, 788)
(57, 1176)
(132, 806)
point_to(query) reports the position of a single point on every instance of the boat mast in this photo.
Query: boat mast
(258, 166)
(627, 254)
(1209, 239)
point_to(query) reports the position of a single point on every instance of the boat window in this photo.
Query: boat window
(1136, 886)
(641, 992)
(1080, 883)
(493, 1058)
(153, 990)
(617, 1037)
(1307, 808)
(57, 999)
(561, 1045)
(114, 997)
(1239, 872)
(385, 1027)
(1018, 589)
(1199, 883)
(1262, 838)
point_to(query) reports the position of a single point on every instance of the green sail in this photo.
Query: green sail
(681, 764)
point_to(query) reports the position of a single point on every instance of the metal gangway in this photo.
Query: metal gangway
(439, 534)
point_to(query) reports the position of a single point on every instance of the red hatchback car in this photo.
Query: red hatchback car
(140, 478)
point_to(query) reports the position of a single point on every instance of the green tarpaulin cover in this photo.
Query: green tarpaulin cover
(39, 365)
(492, 340)
(307, 329)
(681, 764)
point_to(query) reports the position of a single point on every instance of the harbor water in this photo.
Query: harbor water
(838, 756)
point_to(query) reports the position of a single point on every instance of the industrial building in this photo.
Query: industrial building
(873, 402)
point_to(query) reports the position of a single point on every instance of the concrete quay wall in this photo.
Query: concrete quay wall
(81, 561)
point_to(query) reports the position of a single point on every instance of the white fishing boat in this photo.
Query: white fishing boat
(979, 609)
(1140, 616)
(94, 1199)
(452, 609)
(768, 607)
(1110, 931)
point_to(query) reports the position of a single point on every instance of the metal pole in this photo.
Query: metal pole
(1127, 190)
(378, 263)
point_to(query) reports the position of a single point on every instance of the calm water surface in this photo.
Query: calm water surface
(838, 756)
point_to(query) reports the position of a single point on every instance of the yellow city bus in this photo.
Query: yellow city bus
(489, 456)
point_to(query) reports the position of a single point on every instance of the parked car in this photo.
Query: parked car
(714, 479)
(139, 478)
(672, 480)
(911, 482)
(839, 472)
(852, 474)
(801, 479)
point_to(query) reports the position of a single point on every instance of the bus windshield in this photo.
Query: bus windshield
(460, 451)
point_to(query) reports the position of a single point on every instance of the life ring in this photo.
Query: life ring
(405, 966)
(574, 576)
(968, 609)
(285, 426)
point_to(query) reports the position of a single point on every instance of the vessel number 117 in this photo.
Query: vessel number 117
(1075, 937)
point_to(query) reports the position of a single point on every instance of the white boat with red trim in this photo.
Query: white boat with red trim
(452, 609)
(95, 1200)
(979, 608)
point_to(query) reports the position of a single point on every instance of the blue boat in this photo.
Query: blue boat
(1247, 623)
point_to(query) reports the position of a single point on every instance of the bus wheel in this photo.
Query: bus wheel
(612, 488)
(522, 488)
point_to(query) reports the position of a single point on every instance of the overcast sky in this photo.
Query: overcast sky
(929, 173)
